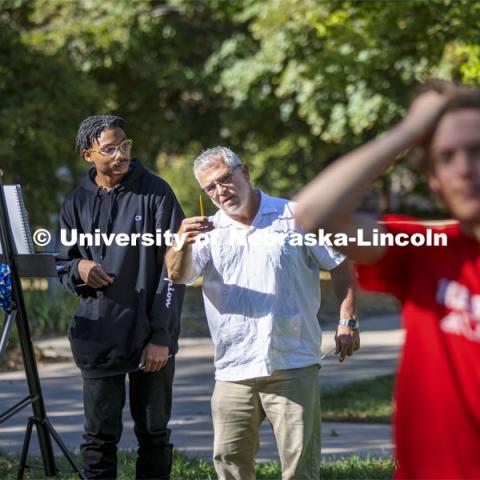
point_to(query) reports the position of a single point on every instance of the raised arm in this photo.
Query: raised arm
(329, 200)
(179, 260)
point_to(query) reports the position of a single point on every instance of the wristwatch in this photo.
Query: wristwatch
(350, 322)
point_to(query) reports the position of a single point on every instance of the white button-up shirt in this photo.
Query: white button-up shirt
(261, 293)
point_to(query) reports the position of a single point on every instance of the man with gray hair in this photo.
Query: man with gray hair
(262, 295)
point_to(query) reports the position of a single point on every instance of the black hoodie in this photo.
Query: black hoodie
(112, 325)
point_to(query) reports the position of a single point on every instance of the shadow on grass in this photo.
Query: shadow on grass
(365, 401)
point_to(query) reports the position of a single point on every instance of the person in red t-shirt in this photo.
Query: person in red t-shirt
(437, 414)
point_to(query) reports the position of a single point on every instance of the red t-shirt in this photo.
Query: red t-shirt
(437, 394)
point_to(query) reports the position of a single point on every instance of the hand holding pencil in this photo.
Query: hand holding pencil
(193, 226)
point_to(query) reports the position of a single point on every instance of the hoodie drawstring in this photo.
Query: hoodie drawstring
(112, 198)
(106, 228)
(95, 209)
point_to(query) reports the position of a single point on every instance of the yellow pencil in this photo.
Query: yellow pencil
(202, 208)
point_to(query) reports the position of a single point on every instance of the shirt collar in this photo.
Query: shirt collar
(267, 204)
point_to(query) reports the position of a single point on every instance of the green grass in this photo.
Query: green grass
(186, 468)
(365, 401)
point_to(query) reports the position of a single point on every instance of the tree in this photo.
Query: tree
(312, 80)
(42, 99)
(289, 84)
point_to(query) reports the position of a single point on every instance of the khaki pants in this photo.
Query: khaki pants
(290, 399)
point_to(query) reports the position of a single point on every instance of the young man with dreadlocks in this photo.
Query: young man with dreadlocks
(128, 318)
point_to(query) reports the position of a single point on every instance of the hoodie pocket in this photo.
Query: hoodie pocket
(104, 333)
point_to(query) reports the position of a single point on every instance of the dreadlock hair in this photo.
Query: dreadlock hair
(92, 127)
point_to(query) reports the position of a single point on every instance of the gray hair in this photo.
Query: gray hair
(207, 157)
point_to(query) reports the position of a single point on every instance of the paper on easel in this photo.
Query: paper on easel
(18, 216)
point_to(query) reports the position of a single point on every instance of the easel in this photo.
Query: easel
(29, 266)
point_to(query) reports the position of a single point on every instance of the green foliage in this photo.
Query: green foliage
(177, 170)
(42, 98)
(364, 401)
(336, 73)
(289, 84)
(49, 313)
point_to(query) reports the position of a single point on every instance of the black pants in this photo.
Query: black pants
(150, 406)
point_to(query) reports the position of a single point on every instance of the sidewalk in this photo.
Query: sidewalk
(190, 423)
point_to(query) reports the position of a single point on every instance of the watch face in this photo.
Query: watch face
(353, 324)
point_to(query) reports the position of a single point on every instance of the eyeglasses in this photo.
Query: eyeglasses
(224, 180)
(112, 150)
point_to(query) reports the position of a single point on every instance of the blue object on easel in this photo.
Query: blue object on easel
(5, 287)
